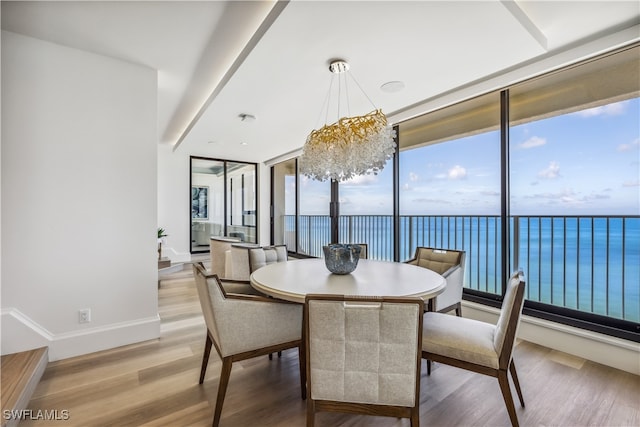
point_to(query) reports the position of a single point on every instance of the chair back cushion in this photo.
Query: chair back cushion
(506, 328)
(438, 260)
(259, 257)
(364, 350)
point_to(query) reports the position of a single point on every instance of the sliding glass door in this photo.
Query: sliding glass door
(223, 201)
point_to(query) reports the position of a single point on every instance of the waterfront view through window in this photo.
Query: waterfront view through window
(574, 200)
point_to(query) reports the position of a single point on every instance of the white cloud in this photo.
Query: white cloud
(551, 172)
(432, 201)
(568, 197)
(614, 109)
(635, 183)
(457, 172)
(630, 146)
(534, 141)
(406, 187)
(413, 176)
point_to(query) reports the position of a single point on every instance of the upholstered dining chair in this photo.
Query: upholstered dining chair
(478, 346)
(242, 327)
(363, 355)
(364, 250)
(450, 264)
(246, 259)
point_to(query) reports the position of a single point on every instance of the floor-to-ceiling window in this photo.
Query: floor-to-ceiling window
(366, 212)
(575, 190)
(314, 222)
(283, 204)
(450, 187)
(542, 176)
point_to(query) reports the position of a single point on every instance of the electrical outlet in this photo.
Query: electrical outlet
(84, 315)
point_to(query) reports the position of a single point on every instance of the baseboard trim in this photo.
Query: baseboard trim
(604, 349)
(21, 333)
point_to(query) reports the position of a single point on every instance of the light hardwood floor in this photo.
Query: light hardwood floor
(155, 383)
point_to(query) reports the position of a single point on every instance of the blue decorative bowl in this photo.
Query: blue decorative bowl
(340, 258)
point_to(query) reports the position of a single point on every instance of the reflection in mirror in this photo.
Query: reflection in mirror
(241, 197)
(223, 201)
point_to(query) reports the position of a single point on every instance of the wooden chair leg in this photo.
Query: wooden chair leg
(279, 354)
(459, 309)
(222, 389)
(415, 416)
(205, 357)
(503, 380)
(270, 356)
(311, 413)
(514, 376)
(428, 367)
(303, 372)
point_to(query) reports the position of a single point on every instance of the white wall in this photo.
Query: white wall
(79, 203)
(600, 348)
(174, 200)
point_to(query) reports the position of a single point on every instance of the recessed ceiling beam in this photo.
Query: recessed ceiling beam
(526, 22)
(260, 32)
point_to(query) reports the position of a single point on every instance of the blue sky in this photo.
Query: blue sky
(582, 163)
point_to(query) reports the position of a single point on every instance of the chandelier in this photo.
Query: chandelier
(352, 146)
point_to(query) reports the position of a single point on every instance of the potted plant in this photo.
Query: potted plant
(161, 235)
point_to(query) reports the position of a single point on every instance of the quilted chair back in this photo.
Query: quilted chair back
(363, 351)
(438, 260)
(450, 264)
(259, 257)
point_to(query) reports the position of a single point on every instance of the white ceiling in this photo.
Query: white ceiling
(219, 59)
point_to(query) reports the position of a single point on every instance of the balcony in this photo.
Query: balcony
(586, 263)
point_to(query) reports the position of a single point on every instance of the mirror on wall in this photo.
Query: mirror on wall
(223, 201)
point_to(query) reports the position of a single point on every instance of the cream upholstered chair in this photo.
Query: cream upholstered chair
(246, 259)
(450, 264)
(244, 326)
(364, 250)
(363, 355)
(478, 346)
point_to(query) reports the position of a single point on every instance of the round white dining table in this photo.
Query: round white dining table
(293, 280)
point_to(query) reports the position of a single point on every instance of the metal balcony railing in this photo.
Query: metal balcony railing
(586, 263)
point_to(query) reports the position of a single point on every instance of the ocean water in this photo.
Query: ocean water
(591, 264)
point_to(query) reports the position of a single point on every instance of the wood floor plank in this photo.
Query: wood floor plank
(155, 383)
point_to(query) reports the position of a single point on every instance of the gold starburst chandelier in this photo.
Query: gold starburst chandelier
(358, 145)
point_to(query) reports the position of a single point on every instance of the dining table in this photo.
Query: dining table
(293, 280)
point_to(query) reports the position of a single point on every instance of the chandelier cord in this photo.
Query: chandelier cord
(339, 93)
(325, 104)
(346, 89)
(362, 90)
